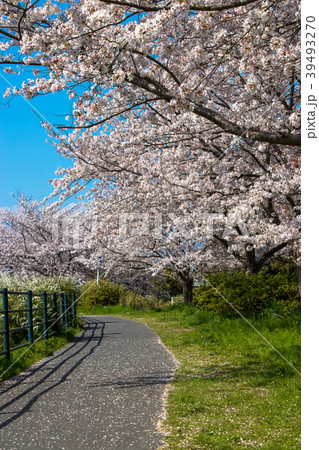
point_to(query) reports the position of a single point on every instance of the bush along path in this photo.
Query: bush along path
(103, 391)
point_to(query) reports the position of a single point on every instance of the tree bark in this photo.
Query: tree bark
(154, 87)
(298, 269)
(188, 291)
(253, 265)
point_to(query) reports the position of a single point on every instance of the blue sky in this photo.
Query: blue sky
(27, 161)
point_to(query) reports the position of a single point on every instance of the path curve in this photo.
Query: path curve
(103, 391)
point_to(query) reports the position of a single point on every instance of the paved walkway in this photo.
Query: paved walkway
(103, 391)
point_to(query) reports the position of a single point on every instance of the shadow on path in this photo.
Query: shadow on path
(77, 352)
(18, 379)
(156, 379)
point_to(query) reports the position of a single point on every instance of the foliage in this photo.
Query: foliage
(105, 293)
(23, 283)
(251, 293)
(165, 286)
(38, 284)
(138, 302)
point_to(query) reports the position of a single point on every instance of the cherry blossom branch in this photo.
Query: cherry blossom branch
(123, 111)
(192, 7)
(226, 125)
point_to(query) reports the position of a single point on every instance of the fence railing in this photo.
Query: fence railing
(55, 311)
(179, 299)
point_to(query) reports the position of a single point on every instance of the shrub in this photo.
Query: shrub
(165, 287)
(250, 294)
(39, 284)
(136, 301)
(105, 294)
(23, 283)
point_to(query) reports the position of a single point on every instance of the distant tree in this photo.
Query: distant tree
(37, 239)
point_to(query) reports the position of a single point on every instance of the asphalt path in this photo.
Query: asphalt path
(103, 391)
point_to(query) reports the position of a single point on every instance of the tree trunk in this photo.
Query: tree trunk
(251, 263)
(298, 269)
(188, 291)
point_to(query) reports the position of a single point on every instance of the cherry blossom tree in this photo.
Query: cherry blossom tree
(234, 64)
(252, 193)
(175, 245)
(41, 240)
(177, 107)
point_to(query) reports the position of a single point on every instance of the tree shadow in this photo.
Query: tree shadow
(157, 378)
(76, 353)
(255, 373)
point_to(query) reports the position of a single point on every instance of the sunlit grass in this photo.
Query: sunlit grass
(98, 310)
(232, 389)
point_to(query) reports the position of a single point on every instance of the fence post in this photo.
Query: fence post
(45, 315)
(62, 309)
(5, 307)
(66, 310)
(73, 306)
(55, 312)
(30, 316)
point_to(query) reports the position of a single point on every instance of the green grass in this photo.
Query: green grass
(39, 350)
(232, 389)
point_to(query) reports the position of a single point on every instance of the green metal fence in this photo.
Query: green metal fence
(55, 311)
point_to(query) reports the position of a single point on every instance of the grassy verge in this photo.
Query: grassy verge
(39, 350)
(232, 390)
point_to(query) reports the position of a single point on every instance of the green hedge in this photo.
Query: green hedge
(105, 293)
(250, 294)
